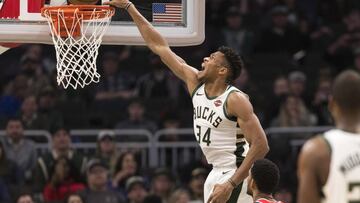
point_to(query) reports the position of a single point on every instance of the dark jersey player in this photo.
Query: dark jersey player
(263, 180)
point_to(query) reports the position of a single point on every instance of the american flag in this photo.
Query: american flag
(167, 12)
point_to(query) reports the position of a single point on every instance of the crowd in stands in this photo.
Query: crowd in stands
(292, 49)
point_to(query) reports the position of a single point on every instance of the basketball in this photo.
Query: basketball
(77, 2)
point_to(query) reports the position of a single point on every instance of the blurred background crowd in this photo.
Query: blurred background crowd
(292, 49)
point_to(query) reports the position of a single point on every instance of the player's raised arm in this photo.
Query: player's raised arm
(159, 45)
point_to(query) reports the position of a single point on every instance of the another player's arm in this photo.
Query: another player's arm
(159, 46)
(239, 105)
(313, 169)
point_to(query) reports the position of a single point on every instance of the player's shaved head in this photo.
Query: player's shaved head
(346, 92)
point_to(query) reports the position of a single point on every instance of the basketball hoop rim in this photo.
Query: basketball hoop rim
(87, 11)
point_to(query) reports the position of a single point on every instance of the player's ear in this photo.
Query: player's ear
(223, 70)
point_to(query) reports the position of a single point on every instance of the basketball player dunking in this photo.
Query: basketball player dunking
(219, 109)
(329, 165)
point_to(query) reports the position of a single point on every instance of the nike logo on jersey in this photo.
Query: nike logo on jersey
(198, 94)
(225, 172)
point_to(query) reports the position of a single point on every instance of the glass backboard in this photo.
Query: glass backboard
(182, 22)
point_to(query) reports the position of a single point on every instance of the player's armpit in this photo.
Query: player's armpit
(313, 169)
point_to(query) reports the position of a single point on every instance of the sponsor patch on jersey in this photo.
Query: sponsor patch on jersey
(217, 103)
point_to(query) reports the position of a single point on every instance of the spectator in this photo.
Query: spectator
(159, 83)
(97, 189)
(162, 183)
(234, 33)
(196, 184)
(180, 196)
(10, 176)
(280, 90)
(136, 189)
(33, 70)
(297, 84)
(62, 181)
(114, 84)
(214, 13)
(293, 113)
(171, 122)
(280, 36)
(281, 86)
(126, 166)
(185, 172)
(61, 147)
(346, 41)
(25, 198)
(19, 149)
(46, 108)
(30, 116)
(14, 92)
(320, 102)
(74, 198)
(106, 149)
(136, 118)
(36, 52)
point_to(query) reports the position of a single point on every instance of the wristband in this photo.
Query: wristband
(128, 5)
(232, 183)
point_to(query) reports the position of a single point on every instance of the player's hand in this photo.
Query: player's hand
(221, 193)
(117, 3)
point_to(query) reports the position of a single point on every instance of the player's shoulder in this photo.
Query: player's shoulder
(238, 98)
(316, 147)
(315, 156)
(236, 94)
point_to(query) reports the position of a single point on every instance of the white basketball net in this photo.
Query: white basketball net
(76, 56)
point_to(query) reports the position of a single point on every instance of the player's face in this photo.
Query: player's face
(212, 67)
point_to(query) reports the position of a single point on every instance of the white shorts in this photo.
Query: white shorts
(221, 175)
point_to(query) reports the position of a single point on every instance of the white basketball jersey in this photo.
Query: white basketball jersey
(218, 135)
(343, 183)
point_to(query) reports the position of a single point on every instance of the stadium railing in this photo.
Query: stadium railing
(166, 147)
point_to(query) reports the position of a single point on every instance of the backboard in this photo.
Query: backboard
(182, 22)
